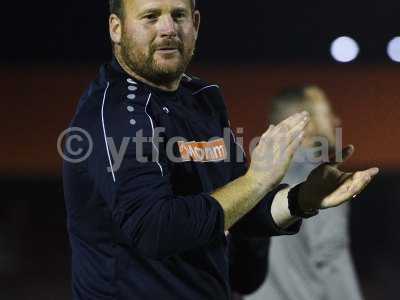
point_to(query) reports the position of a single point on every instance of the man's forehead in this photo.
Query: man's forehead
(149, 4)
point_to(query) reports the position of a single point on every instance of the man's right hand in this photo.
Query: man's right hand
(270, 161)
(272, 156)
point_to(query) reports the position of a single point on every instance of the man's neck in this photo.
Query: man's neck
(170, 87)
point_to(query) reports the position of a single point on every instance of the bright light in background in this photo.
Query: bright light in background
(394, 49)
(344, 49)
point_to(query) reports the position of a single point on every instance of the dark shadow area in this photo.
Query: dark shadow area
(375, 237)
(34, 249)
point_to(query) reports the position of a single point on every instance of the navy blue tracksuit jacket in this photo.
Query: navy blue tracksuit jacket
(149, 229)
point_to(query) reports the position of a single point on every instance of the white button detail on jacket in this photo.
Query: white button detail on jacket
(132, 121)
(166, 110)
(131, 96)
(132, 88)
(130, 108)
(130, 80)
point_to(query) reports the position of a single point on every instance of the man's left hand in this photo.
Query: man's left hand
(327, 186)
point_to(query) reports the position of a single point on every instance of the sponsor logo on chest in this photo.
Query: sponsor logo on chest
(211, 151)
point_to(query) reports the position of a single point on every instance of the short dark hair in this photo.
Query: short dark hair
(116, 7)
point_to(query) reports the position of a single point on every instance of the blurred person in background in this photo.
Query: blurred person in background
(316, 263)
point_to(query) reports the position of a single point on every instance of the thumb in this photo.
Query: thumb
(346, 153)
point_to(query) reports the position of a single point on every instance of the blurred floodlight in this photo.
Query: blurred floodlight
(394, 49)
(344, 49)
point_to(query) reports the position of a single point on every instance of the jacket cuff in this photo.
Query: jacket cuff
(219, 213)
(259, 223)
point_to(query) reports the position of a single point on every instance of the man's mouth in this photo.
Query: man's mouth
(167, 50)
(170, 48)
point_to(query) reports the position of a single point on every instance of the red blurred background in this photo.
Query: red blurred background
(39, 103)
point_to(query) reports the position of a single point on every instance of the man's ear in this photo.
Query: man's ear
(115, 27)
(196, 22)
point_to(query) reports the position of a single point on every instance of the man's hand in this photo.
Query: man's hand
(269, 163)
(272, 156)
(327, 186)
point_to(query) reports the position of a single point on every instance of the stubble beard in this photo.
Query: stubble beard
(147, 67)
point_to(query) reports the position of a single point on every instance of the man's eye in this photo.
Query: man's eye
(150, 17)
(179, 16)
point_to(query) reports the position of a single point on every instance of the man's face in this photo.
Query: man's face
(158, 38)
(323, 119)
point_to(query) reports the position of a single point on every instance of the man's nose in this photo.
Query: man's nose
(167, 26)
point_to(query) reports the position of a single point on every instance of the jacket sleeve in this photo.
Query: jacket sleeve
(248, 263)
(145, 211)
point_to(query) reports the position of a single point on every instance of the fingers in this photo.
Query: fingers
(353, 185)
(348, 152)
(297, 129)
(265, 134)
(274, 143)
(373, 171)
(287, 131)
(359, 181)
(294, 119)
(292, 148)
(292, 123)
